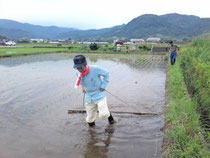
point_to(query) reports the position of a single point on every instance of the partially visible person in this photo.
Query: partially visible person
(93, 80)
(127, 49)
(173, 49)
(134, 46)
(118, 47)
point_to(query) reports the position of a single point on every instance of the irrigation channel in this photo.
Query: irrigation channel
(37, 91)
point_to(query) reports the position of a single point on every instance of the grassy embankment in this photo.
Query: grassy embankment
(184, 132)
(71, 48)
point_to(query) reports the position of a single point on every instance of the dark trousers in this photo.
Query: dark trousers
(173, 58)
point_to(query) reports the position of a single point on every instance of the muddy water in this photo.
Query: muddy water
(37, 91)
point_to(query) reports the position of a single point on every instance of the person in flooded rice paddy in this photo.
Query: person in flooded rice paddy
(173, 52)
(93, 80)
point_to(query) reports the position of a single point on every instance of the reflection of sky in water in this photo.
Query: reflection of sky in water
(14, 61)
(36, 92)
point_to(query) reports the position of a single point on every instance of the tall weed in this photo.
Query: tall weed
(195, 64)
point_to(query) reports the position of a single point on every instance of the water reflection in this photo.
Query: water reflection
(98, 144)
(15, 61)
(93, 59)
(37, 91)
(139, 61)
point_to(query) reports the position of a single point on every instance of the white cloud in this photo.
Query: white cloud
(94, 13)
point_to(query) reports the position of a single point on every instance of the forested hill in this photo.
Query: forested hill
(16, 30)
(167, 26)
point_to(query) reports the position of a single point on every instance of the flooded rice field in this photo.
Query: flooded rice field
(37, 91)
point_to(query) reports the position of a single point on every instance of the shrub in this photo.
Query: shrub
(94, 46)
(145, 47)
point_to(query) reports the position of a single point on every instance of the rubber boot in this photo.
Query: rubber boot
(111, 119)
(91, 124)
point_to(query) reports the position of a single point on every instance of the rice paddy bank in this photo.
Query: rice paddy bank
(184, 132)
(27, 49)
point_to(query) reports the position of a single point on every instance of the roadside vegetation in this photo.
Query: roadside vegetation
(186, 134)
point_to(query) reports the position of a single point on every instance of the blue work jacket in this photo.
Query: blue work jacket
(95, 79)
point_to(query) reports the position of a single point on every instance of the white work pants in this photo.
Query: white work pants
(92, 109)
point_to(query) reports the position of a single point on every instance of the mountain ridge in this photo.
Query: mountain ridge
(167, 26)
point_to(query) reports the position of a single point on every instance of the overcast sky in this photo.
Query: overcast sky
(95, 14)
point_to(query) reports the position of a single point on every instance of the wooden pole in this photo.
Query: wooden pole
(82, 111)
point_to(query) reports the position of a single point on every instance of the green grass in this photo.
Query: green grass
(26, 48)
(183, 135)
(195, 64)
